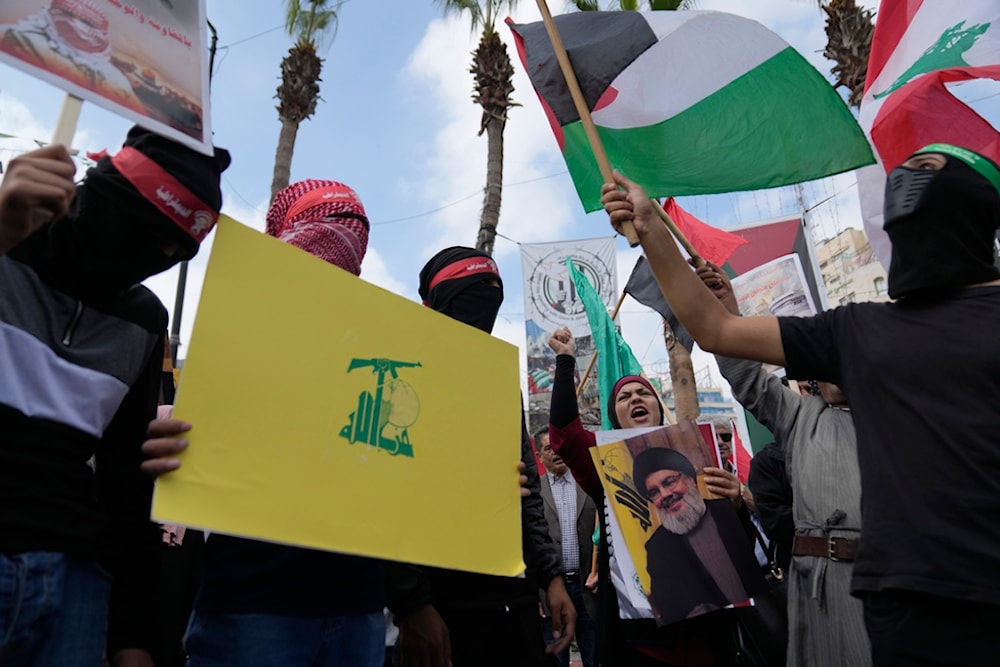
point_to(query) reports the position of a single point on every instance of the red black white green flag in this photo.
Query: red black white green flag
(689, 102)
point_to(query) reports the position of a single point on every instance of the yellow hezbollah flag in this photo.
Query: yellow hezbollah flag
(330, 413)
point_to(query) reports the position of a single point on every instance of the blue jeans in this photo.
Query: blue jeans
(586, 632)
(291, 641)
(53, 610)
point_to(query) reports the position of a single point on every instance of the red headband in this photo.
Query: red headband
(165, 192)
(469, 266)
(327, 195)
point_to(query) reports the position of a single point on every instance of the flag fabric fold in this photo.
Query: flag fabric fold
(712, 243)
(642, 287)
(614, 356)
(692, 102)
(917, 51)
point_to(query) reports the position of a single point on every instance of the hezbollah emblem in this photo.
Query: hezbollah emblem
(382, 418)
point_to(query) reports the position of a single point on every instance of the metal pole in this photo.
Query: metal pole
(175, 324)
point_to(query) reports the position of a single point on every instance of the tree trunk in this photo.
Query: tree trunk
(681, 377)
(283, 156)
(494, 185)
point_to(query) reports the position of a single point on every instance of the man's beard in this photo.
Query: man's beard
(685, 521)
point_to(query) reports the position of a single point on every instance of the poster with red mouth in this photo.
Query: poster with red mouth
(686, 550)
(142, 59)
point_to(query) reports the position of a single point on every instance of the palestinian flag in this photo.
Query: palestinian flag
(690, 102)
(918, 50)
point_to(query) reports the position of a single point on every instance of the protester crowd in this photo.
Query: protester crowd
(909, 577)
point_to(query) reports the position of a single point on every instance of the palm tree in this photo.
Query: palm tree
(494, 85)
(313, 23)
(849, 40)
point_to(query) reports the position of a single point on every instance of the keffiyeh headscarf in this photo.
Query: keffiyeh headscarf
(324, 218)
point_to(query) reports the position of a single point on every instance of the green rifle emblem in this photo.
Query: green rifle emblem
(944, 53)
(381, 419)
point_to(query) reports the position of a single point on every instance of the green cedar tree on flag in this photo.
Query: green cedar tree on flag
(689, 102)
(918, 50)
(614, 356)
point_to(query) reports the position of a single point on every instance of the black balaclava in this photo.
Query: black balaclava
(111, 239)
(455, 282)
(942, 223)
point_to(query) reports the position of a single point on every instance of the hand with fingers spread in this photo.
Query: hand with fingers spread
(164, 445)
(37, 182)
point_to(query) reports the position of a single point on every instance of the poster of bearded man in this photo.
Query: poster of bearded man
(692, 550)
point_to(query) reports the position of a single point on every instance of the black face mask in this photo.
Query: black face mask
(942, 225)
(101, 250)
(477, 305)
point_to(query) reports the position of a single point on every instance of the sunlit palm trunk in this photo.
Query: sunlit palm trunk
(494, 185)
(283, 156)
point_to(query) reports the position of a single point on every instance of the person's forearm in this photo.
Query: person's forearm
(698, 310)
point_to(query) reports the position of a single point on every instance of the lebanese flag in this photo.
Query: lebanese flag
(918, 48)
(692, 102)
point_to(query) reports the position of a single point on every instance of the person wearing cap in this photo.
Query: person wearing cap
(265, 603)
(81, 348)
(699, 559)
(447, 617)
(631, 642)
(923, 375)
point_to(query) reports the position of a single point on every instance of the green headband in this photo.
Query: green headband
(985, 167)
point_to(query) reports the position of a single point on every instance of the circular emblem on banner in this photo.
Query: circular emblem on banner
(553, 293)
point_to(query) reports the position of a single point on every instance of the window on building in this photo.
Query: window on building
(880, 286)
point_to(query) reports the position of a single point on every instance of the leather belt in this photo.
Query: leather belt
(572, 575)
(834, 548)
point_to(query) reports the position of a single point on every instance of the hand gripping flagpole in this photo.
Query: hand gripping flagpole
(603, 163)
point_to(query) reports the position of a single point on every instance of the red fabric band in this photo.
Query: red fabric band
(327, 195)
(464, 267)
(165, 192)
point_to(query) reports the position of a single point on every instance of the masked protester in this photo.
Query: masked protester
(446, 617)
(264, 603)
(81, 347)
(921, 374)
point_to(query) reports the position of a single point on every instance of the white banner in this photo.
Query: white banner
(551, 302)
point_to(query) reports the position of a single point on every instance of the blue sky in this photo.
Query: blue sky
(396, 122)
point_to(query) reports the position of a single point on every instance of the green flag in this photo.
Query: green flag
(614, 356)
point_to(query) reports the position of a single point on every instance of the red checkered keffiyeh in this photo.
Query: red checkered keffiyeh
(324, 218)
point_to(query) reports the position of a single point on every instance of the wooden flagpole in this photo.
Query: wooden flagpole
(68, 117)
(603, 163)
(65, 129)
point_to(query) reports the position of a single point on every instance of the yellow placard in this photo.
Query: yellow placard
(330, 413)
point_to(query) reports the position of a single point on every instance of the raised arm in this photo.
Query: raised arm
(714, 329)
(566, 433)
